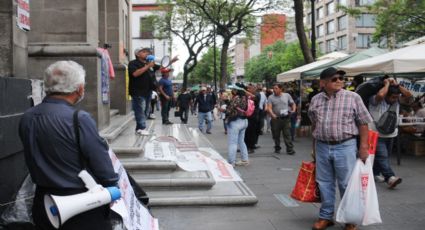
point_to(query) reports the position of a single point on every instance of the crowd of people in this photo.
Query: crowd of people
(340, 121)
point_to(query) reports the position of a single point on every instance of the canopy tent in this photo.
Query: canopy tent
(295, 74)
(410, 59)
(355, 57)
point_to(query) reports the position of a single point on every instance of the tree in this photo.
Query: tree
(396, 21)
(265, 66)
(231, 18)
(204, 70)
(299, 25)
(191, 28)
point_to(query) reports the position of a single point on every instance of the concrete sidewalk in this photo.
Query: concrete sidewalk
(273, 176)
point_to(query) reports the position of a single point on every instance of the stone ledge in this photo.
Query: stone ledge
(117, 125)
(173, 179)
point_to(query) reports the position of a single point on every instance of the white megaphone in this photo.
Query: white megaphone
(60, 208)
(163, 62)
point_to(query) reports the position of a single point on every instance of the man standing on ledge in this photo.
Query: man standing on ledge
(338, 117)
(166, 95)
(140, 86)
(53, 154)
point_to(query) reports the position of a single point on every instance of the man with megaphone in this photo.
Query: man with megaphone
(142, 82)
(54, 155)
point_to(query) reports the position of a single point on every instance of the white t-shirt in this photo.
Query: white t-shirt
(376, 109)
(154, 95)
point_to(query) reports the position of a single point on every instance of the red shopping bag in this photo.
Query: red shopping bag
(372, 139)
(306, 188)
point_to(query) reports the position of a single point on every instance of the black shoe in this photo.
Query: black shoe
(257, 147)
(167, 123)
(208, 132)
(251, 151)
(277, 151)
(291, 152)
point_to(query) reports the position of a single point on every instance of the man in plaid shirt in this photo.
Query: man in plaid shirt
(338, 117)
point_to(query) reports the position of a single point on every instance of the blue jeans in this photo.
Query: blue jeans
(201, 119)
(139, 107)
(236, 136)
(382, 162)
(333, 163)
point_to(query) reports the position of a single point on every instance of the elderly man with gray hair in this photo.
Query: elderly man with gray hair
(53, 154)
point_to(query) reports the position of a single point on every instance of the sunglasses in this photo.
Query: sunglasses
(334, 79)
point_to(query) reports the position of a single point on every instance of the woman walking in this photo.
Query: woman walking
(236, 125)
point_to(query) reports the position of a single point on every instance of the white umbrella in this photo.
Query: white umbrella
(410, 59)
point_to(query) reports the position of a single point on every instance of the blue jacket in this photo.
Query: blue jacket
(205, 104)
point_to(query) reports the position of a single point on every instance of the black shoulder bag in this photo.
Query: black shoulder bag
(387, 123)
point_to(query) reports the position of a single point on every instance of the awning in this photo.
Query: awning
(352, 58)
(295, 74)
(410, 59)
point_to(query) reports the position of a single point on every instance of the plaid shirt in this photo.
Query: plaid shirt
(337, 117)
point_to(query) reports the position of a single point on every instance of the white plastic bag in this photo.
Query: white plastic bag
(359, 205)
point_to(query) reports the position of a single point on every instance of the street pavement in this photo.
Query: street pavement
(271, 176)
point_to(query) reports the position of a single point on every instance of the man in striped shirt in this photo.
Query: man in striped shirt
(338, 117)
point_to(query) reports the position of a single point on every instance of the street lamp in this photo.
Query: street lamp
(313, 30)
(215, 61)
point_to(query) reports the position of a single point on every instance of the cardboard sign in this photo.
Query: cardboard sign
(23, 14)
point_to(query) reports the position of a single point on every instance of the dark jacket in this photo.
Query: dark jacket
(144, 84)
(205, 105)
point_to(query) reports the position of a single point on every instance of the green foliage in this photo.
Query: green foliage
(274, 59)
(397, 21)
(204, 70)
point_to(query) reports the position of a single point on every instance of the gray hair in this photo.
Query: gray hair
(63, 77)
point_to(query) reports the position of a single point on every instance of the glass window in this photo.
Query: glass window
(364, 2)
(146, 28)
(321, 47)
(342, 2)
(319, 13)
(342, 22)
(320, 31)
(342, 42)
(330, 46)
(330, 8)
(308, 19)
(363, 40)
(330, 27)
(365, 20)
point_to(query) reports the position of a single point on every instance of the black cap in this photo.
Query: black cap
(329, 72)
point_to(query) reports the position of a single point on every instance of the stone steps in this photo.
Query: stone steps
(118, 124)
(222, 193)
(113, 112)
(170, 180)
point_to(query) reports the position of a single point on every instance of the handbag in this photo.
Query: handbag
(177, 112)
(306, 189)
(387, 123)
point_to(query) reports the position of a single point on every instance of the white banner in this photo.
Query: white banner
(416, 88)
(23, 14)
(135, 216)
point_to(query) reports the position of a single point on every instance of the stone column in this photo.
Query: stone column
(69, 30)
(14, 92)
(118, 30)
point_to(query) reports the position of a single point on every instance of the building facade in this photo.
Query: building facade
(338, 31)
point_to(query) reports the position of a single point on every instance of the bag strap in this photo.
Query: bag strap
(77, 136)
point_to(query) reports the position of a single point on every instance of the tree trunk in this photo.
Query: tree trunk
(299, 24)
(223, 63)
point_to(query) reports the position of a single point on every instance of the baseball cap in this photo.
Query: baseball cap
(203, 88)
(166, 70)
(137, 50)
(329, 72)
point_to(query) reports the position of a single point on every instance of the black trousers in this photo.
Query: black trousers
(95, 219)
(251, 133)
(184, 114)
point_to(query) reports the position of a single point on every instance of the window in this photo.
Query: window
(342, 42)
(308, 19)
(342, 22)
(330, 8)
(365, 20)
(363, 40)
(364, 2)
(330, 27)
(321, 47)
(146, 28)
(319, 13)
(330, 46)
(342, 2)
(320, 31)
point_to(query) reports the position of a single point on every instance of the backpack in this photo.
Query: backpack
(250, 108)
(370, 88)
(387, 123)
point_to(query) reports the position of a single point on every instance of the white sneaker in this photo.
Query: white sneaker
(142, 132)
(379, 179)
(393, 181)
(242, 163)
